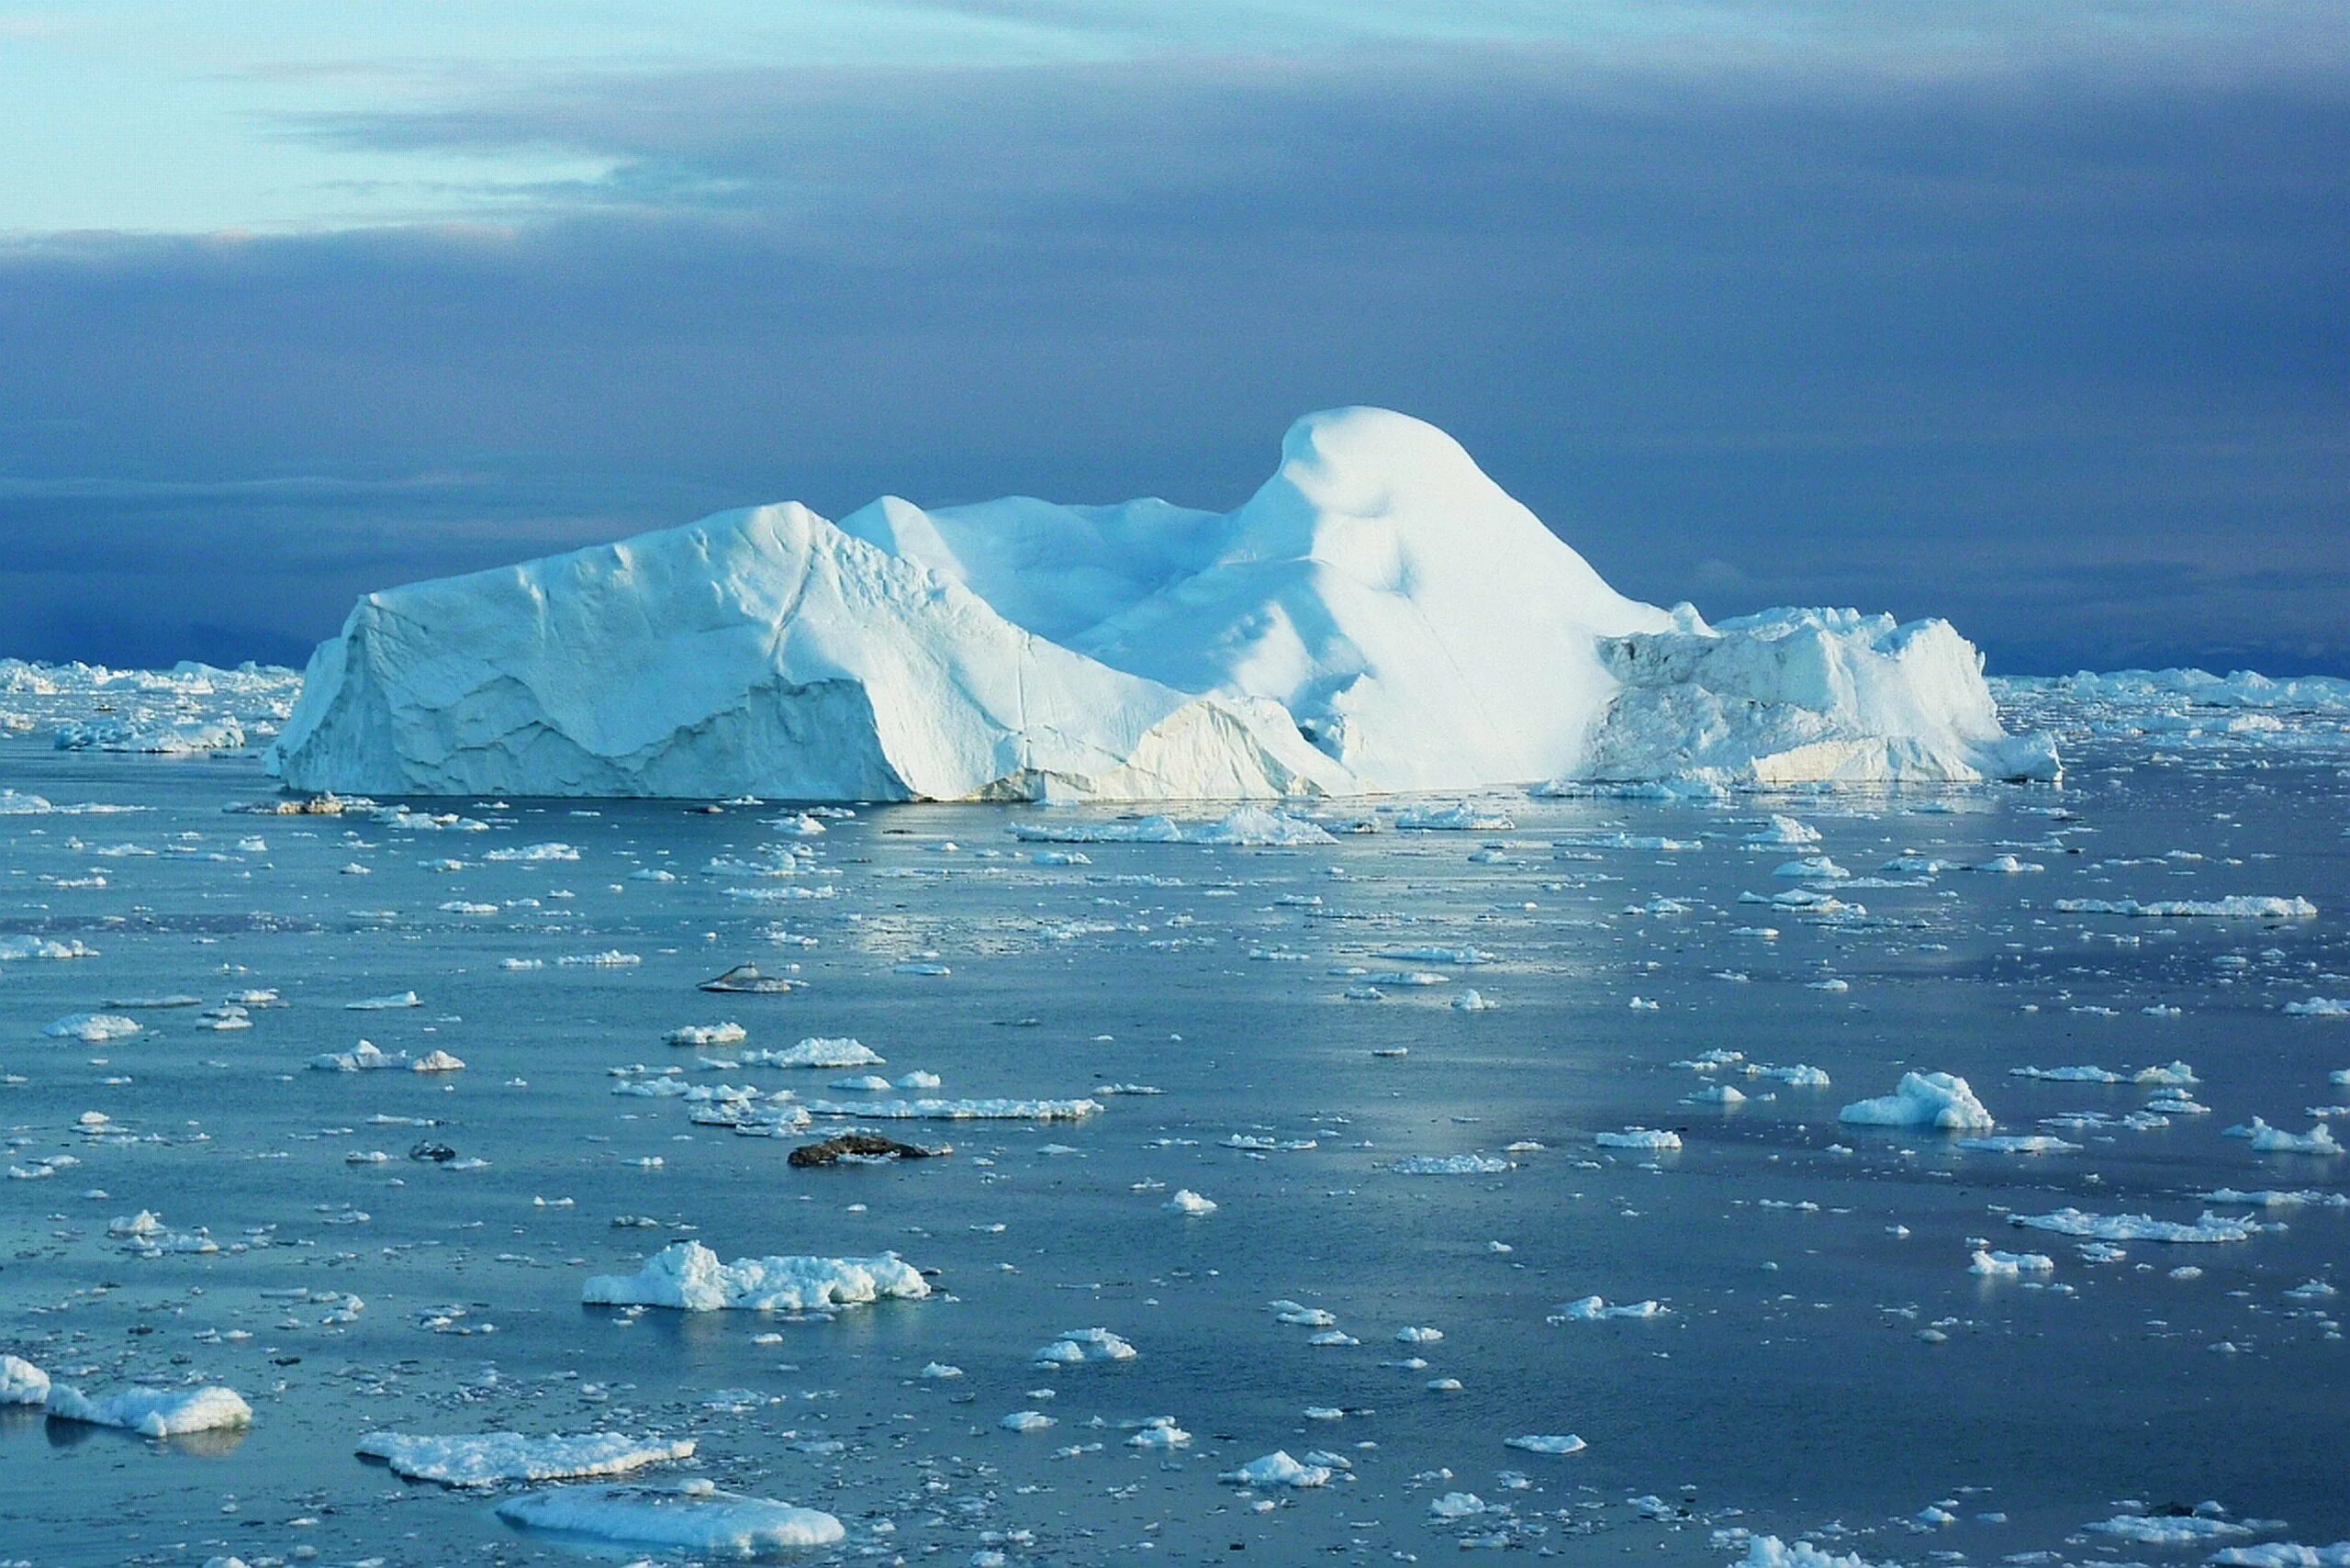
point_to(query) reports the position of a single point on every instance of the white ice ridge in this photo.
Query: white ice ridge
(154, 1412)
(1379, 617)
(688, 1276)
(495, 1457)
(692, 1517)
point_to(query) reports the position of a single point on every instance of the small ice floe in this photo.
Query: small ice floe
(532, 852)
(926, 970)
(2265, 1139)
(1027, 1421)
(1472, 1001)
(2032, 1143)
(2238, 907)
(1812, 868)
(1770, 1552)
(2008, 1265)
(865, 1084)
(2212, 1227)
(93, 1028)
(154, 1412)
(939, 1371)
(689, 1277)
(831, 1052)
(1460, 817)
(2204, 1525)
(1277, 1469)
(1564, 1443)
(1934, 1100)
(2284, 1554)
(365, 1057)
(691, 1516)
(961, 1110)
(698, 1035)
(2319, 1007)
(1778, 831)
(1076, 1346)
(2007, 865)
(21, 1383)
(1061, 858)
(1187, 1202)
(1299, 1316)
(1648, 1138)
(436, 1062)
(1159, 1432)
(383, 1003)
(2269, 1198)
(1451, 1165)
(14, 950)
(612, 958)
(1593, 1309)
(1715, 1094)
(497, 1457)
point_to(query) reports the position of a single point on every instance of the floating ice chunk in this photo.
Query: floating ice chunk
(2007, 865)
(2265, 1139)
(385, 1004)
(961, 1110)
(692, 1517)
(15, 949)
(2034, 1143)
(2008, 1265)
(708, 1035)
(688, 1276)
(154, 1412)
(2269, 1198)
(1027, 1421)
(1455, 1506)
(497, 1457)
(1560, 1444)
(2284, 1554)
(436, 1062)
(2321, 1007)
(2238, 907)
(533, 852)
(2140, 1227)
(818, 1051)
(21, 1383)
(2170, 1530)
(612, 958)
(939, 1371)
(93, 1028)
(917, 1080)
(1770, 1552)
(868, 1083)
(1079, 1346)
(1716, 1095)
(1813, 869)
(1159, 1432)
(1472, 1001)
(1256, 825)
(1639, 1137)
(1451, 1165)
(1459, 817)
(1459, 956)
(1187, 1202)
(1303, 1316)
(365, 1057)
(1592, 1309)
(1934, 1100)
(1277, 1469)
(1778, 831)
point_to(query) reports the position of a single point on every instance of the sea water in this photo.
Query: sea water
(1821, 1359)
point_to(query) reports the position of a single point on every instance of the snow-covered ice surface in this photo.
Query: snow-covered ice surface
(1379, 617)
(396, 1252)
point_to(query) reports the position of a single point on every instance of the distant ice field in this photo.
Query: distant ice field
(1404, 1263)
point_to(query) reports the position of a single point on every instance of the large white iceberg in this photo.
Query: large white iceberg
(1379, 617)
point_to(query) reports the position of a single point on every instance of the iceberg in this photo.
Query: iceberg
(1379, 617)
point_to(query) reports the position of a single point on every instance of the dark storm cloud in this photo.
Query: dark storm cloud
(2052, 345)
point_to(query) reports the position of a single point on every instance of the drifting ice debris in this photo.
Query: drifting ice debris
(2238, 907)
(691, 1516)
(93, 1028)
(1079, 1346)
(1923, 1100)
(961, 1109)
(1648, 1139)
(689, 1277)
(495, 1457)
(1277, 1469)
(746, 979)
(365, 1057)
(21, 1383)
(1568, 1443)
(154, 1412)
(1246, 825)
(1380, 617)
(2140, 1227)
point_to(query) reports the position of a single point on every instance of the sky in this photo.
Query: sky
(2032, 316)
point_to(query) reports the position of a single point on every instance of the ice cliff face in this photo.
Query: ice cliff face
(1379, 617)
